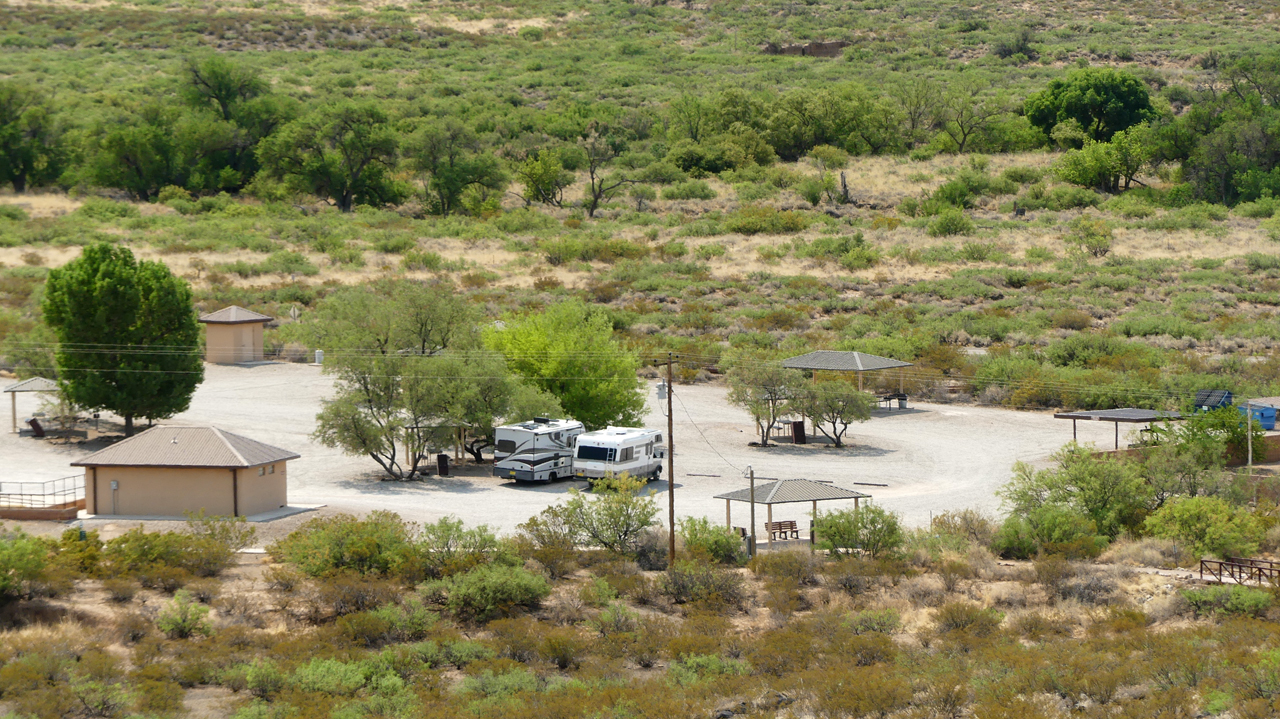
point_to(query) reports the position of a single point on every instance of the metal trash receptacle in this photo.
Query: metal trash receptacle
(902, 402)
(442, 465)
(797, 432)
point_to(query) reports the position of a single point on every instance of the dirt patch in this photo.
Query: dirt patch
(42, 204)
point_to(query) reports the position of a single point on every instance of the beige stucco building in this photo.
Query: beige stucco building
(166, 471)
(233, 334)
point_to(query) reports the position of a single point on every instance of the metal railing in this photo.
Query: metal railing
(1241, 571)
(53, 493)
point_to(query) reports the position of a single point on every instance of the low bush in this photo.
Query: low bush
(494, 591)
(184, 617)
(713, 542)
(1208, 524)
(965, 617)
(800, 566)
(760, 219)
(700, 668)
(704, 586)
(346, 592)
(1233, 600)
(689, 190)
(23, 559)
(950, 222)
(377, 544)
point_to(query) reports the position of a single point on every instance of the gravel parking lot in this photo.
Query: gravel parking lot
(932, 457)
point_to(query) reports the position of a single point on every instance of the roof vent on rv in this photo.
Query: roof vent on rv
(542, 420)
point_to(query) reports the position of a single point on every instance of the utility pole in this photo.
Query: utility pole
(671, 467)
(751, 535)
(1248, 433)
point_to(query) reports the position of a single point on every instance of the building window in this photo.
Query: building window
(271, 469)
(262, 471)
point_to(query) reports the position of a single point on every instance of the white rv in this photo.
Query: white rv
(537, 451)
(614, 450)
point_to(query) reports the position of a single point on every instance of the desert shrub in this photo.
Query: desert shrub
(104, 210)
(703, 586)
(421, 260)
(591, 249)
(523, 221)
(1039, 625)
(719, 544)
(377, 544)
(1260, 209)
(698, 668)
(782, 651)
(868, 621)
(950, 222)
(205, 590)
(1210, 525)
(408, 622)
(448, 547)
(1232, 600)
(494, 590)
(1148, 552)
(760, 219)
(597, 592)
(548, 539)
(563, 646)
(283, 579)
(16, 214)
(1089, 236)
(860, 691)
(1089, 588)
(347, 592)
(163, 577)
(329, 676)
(462, 653)
(969, 524)
(503, 683)
(120, 589)
(872, 529)
(184, 617)
(710, 251)
(1022, 174)
(364, 629)
(966, 617)
(1053, 572)
(615, 518)
(689, 190)
(800, 566)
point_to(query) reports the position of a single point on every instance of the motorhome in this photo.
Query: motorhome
(614, 450)
(540, 450)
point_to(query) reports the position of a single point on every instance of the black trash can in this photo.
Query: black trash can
(442, 465)
(797, 432)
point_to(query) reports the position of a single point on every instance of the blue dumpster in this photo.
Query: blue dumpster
(1265, 416)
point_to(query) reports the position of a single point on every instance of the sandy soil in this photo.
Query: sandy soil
(932, 457)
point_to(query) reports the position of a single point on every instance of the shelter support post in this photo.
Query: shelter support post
(769, 519)
(899, 381)
(855, 504)
(728, 523)
(859, 380)
(813, 524)
(1117, 424)
(235, 493)
(1073, 430)
(13, 410)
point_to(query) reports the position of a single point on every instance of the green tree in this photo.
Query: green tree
(140, 151)
(343, 153)
(601, 148)
(1210, 525)
(216, 82)
(764, 388)
(544, 178)
(615, 517)
(127, 332)
(31, 147)
(447, 154)
(569, 351)
(967, 111)
(873, 529)
(1108, 166)
(833, 406)
(1103, 100)
(22, 560)
(1107, 491)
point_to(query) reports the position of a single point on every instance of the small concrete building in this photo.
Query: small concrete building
(166, 471)
(233, 334)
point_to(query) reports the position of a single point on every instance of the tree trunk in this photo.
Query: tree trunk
(345, 201)
(19, 183)
(128, 425)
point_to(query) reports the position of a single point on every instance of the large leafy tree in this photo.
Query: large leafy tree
(447, 155)
(833, 406)
(127, 332)
(1109, 492)
(569, 351)
(764, 388)
(343, 153)
(1103, 101)
(31, 147)
(410, 372)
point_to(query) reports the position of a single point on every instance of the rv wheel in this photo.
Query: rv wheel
(552, 477)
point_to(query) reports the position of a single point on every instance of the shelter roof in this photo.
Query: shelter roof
(167, 446)
(832, 360)
(1126, 414)
(234, 315)
(792, 490)
(35, 384)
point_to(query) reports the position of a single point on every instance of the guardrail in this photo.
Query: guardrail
(1241, 571)
(50, 494)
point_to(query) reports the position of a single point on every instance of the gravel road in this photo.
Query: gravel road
(932, 457)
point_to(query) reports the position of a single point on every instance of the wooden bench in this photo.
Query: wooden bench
(782, 530)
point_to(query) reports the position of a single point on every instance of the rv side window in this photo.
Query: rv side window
(627, 454)
(506, 445)
(598, 454)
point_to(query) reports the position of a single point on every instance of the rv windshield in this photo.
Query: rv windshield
(599, 454)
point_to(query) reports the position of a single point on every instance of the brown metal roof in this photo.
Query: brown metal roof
(234, 316)
(831, 360)
(792, 490)
(1261, 401)
(186, 447)
(35, 384)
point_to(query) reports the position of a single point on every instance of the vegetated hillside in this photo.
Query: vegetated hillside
(374, 617)
(916, 196)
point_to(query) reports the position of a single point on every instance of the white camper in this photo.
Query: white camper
(540, 450)
(615, 450)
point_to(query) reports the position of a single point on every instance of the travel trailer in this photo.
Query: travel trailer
(615, 450)
(537, 451)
